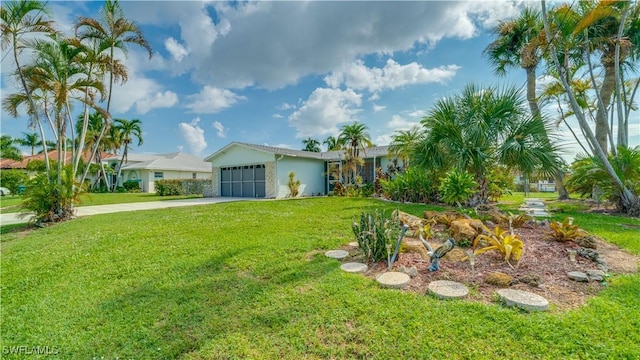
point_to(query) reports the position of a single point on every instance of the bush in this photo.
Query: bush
(131, 185)
(413, 185)
(12, 178)
(376, 234)
(457, 187)
(181, 186)
(50, 201)
(293, 184)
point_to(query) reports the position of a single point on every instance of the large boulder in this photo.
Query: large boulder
(465, 229)
(413, 222)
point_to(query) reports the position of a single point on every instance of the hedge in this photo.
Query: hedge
(181, 186)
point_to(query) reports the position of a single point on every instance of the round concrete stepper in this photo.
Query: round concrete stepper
(523, 299)
(337, 254)
(354, 267)
(393, 279)
(445, 289)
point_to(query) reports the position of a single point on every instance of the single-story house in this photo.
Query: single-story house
(259, 171)
(147, 168)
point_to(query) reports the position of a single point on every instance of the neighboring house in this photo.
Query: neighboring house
(250, 170)
(146, 168)
(541, 185)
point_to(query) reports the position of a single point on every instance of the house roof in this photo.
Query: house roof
(371, 152)
(177, 161)
(53, 155)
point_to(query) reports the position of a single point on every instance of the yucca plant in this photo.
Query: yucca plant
(564, 231)
(376, 234)
(508, 244)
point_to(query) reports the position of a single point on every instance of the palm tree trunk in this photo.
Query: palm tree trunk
(623, 139)
(608, 85)
(531, 91)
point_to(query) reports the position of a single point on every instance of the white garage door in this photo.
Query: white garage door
(243, 181)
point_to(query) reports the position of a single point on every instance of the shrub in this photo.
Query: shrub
(564, 231)
(500, 182)
(131, 185)
(181, 186)
(294, 185)
(50, 201)
(457, 187)
(414, 185)
(12, 178)
(376, 234)
(502, 241)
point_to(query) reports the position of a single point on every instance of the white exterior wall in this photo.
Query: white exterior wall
(310, 172)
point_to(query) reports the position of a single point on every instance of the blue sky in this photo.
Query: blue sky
(275, 73)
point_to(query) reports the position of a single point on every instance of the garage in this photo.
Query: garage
(243, 181)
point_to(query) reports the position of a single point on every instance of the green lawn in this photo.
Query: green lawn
(8, 204)
(249, 280)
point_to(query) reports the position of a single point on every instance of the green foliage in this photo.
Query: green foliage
(12, 178)
(564, 231)
(294, 185)
(376, 234)
(169, 187)
(457, 187)
(50, 200)
(503, 241)
(414, 185)
(500, 182)
(589, 178)
(131, 185)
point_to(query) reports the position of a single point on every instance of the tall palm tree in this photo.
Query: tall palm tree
(111, 31)
(107, 143)
(332, 143)
(128, 130)
(354, 138)
(402, 143)
(311, 144)
(20, 18)
(30, 140)
(8, 148)
(478, 128)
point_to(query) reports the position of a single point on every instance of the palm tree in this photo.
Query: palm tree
(111, 31)
(20, 18)
(332, 143)
(127, 129)
(402, 144)
(107, 143)
(8, 149)
(311, 144)
(30, 140)
(478, 128)
(354, 137)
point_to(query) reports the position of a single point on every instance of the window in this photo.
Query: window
(193, 175)
(158, 175)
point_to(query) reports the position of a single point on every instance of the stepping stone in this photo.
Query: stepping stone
(393, 279)
(354, 267)
(353, 244)
(445, 289)
(523, 300)
(578, 276)
(337, 254)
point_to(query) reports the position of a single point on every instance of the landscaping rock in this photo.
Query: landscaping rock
(465, 229)
(411, 271)
(523, 300)
(586, 241)
(428, 214)
(595, 275)
(445, 289)
(354, 267)
(413, 222)
(455, 255)
(336, 254)
(393, 279)
(499, 279)
(353, 244)
(578, 276)
(531, 279)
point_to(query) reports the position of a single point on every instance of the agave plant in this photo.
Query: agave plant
(508, 244)
(564, 231)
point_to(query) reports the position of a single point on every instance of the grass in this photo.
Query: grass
(249, 280)
(9, 204)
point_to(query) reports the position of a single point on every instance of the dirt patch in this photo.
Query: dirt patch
(542, 269)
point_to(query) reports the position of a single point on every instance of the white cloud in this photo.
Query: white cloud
(325, 108)
(377, 108)
(277, 116)
(382, 140)
(193, 135)
(399, 123)
(374, 97)
(286, 106)
(393, 75)
(220, 128)
(211, 100)
(165, 99)
(175, 49)
(418, 113)
(284, 146)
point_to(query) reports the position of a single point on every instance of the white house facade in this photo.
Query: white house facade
(250, 170)
(147, 168)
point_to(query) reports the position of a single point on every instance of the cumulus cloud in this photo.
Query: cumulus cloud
(211, 100)
(193, 134)
(399, 123)
(277, 116)
(286, 106)
(220, 128)
(324, 110)
(377, 108)
(393, 75)
(175, 49)
(165, 99)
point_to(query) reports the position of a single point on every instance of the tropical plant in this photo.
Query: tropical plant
(332, 143)
(457, 187)
(516, 221)
(126, 131)
(47, 200)
(414, 185)
(500, 182)
(30, 140)
(311, 144)
(402, 143)
(564, 231)
(482, 127)
(12, 178)
(506, 243)
(8, 148)
(355, 138)
(293, 184)
(376, 234)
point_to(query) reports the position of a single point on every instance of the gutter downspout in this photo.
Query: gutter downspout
(374, 169)
(277, 177)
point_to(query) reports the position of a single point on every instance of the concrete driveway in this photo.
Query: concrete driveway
(8, 219)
